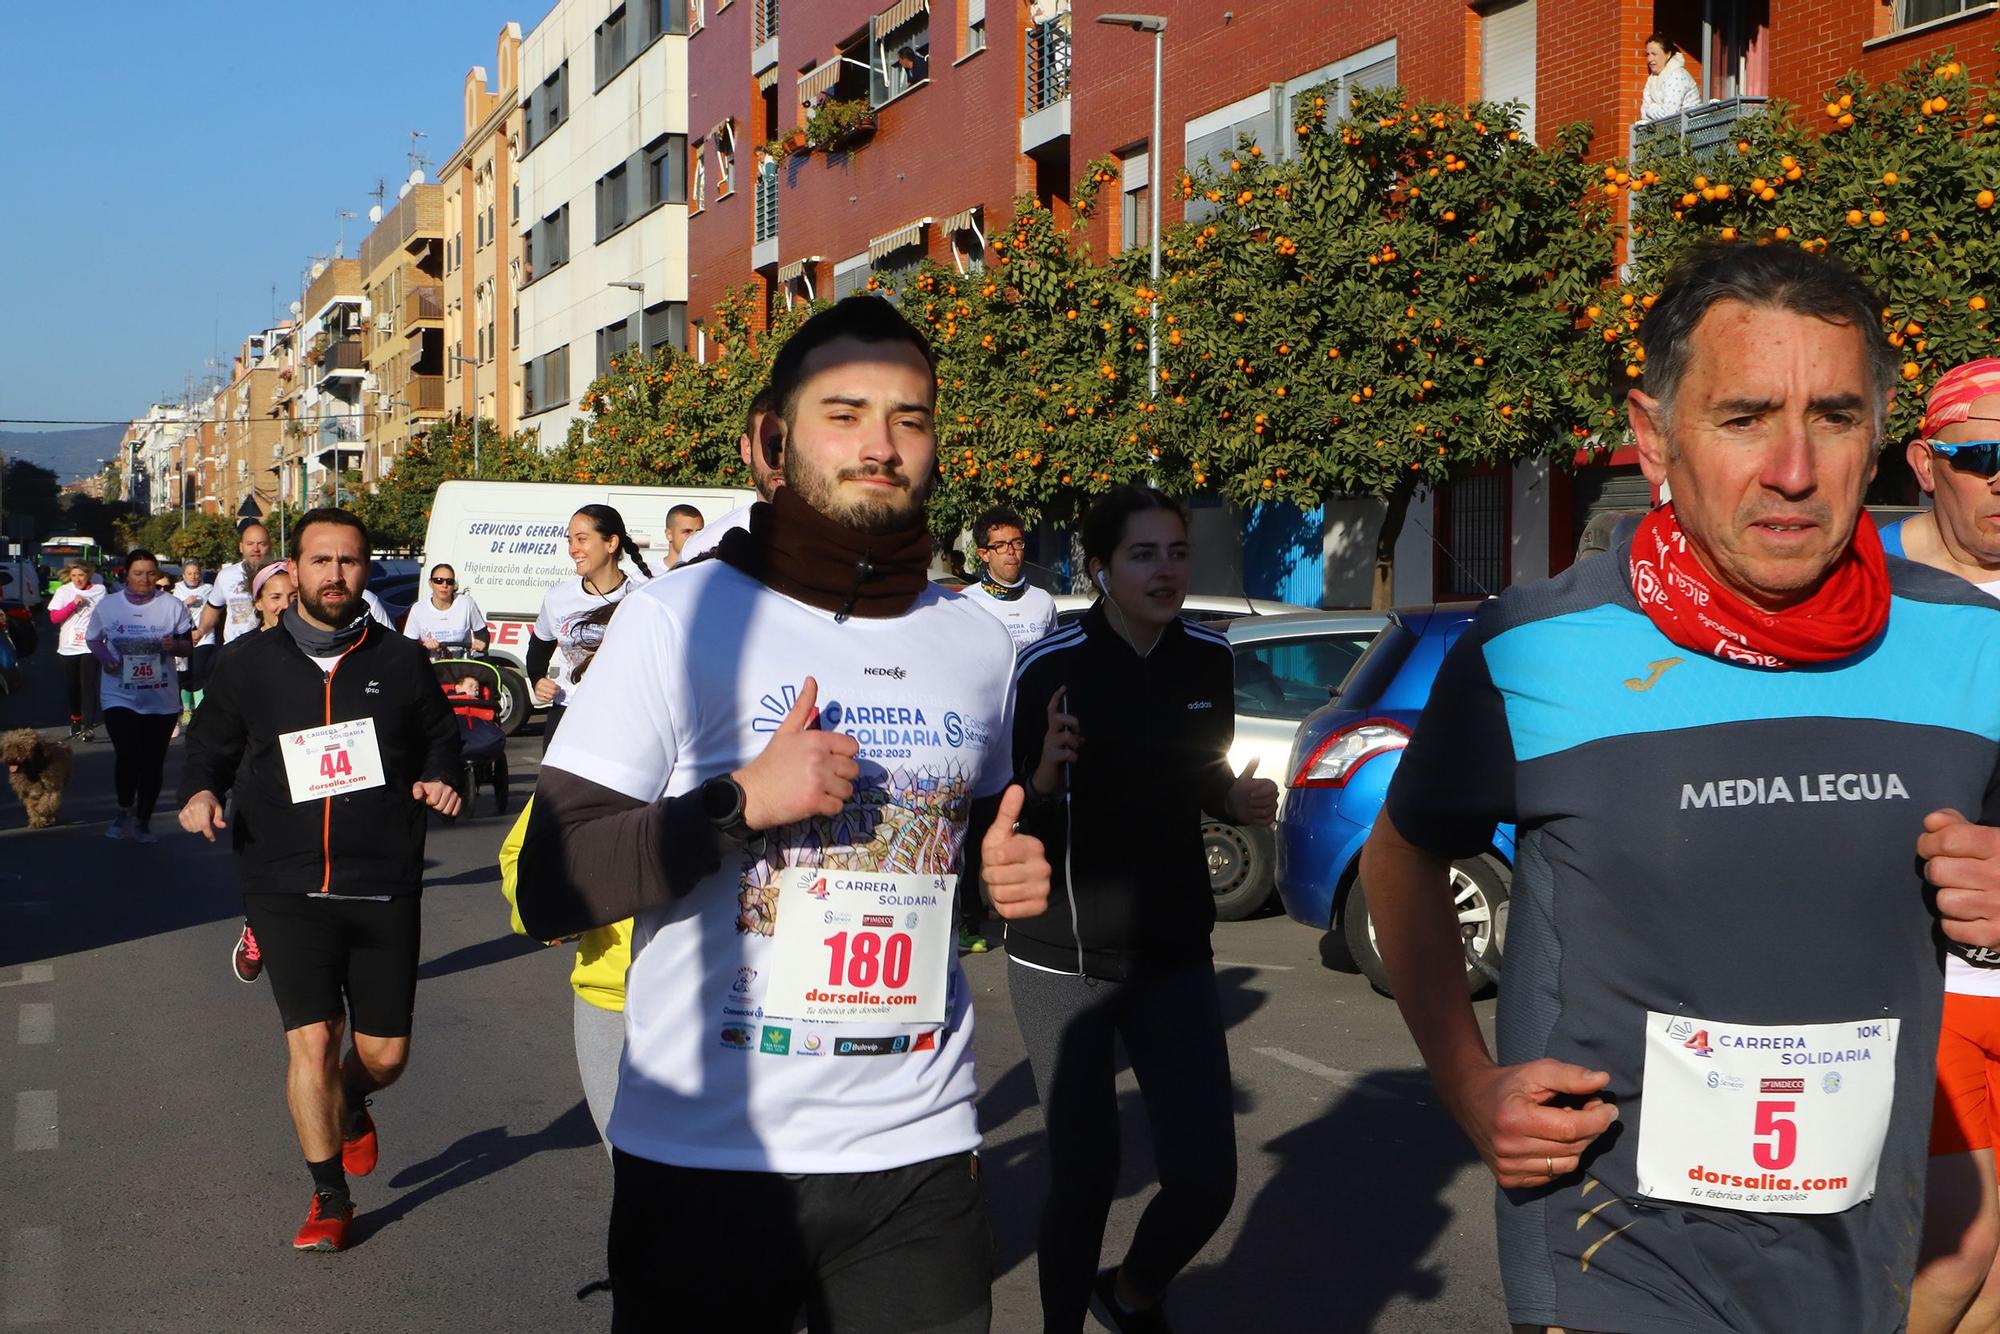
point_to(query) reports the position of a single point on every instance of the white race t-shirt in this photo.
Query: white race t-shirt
(575, 619)
(711, 535)
(456, 624)
(145, 681)
(193, 596)
(1959, 976)
(72, 633)
(1027, 617)
(231, 592)
(376, 610)
(698, 671)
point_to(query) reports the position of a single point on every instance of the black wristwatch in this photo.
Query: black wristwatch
(722, 803)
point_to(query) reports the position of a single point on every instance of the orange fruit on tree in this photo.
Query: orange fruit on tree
(1729, 233)
(1877, 218)
(1889, 178)
(1854, 217)
(1767, 194)
(1845, 120)
(1977, 303)
(1783, 233)
(1911, 370)
(1832, 110)
(1984, 199)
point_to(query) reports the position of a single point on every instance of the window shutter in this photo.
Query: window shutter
(1507, 57)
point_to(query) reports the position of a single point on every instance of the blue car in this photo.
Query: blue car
(1337, 779)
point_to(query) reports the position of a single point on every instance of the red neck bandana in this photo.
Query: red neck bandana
(1848, 609)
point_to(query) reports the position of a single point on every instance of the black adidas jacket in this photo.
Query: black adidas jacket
(368, 843)
(1129, 894)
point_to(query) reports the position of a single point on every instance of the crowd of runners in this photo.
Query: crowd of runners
(1750, 1033)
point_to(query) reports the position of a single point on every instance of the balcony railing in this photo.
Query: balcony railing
(424, 393)
(1697, 129)
(342, 358)
(1046, 53)
(767, 22)
(420, 304)
(767, 202)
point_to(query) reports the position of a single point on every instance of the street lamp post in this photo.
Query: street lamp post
(462, 361)
(1157, 25)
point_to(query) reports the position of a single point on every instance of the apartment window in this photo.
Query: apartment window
(613, 340)
(968, 242)
(1507, 58)
(1475, 511)
(609, 48)
(490, 232)
(899, 50)
(1135, 202)
(725, 158)
(892, 274)
(514, 204)
(765, 24)
(666, 169)
(698, 195)
(1373, 68)
(850, 276)
(455, 360)
(548, 107)
(514, 323)
(545, 381)
(479, 231)
(546, 244)
(974, 37)
(665, 325)
(696, 20)
(1909, 13)
(492, 347)
(613, 201)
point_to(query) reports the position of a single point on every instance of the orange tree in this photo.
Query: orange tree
(670, 419)
(1041, 370)
(1393, 302)
(1897, 180)
(398, 511)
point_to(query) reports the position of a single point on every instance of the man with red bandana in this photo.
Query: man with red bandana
(1956, 461)
(1717, 1033)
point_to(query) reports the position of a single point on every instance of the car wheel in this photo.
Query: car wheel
(516, 701)
(1239, 868)
(1479, 887)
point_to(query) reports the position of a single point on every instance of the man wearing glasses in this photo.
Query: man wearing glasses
(1957, 463)
(1027, 612)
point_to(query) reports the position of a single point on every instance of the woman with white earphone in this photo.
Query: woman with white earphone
(1121, 735)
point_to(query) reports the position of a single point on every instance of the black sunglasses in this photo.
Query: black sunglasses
(448, 583)
(1978, 457)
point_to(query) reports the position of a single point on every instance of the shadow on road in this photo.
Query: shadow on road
(1345, 1225)
(472, 1158)
(478, 875)
(498, 950)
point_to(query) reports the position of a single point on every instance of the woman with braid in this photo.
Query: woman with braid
(571, 623)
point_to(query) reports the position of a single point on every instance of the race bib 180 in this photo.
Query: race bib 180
(861, 945)
(1777, 1118)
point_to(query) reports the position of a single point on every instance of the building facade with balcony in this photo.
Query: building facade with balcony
(324, 371)
(905, 130)
(241, 465)
(402, 288)
(482, 244)
(604, 194)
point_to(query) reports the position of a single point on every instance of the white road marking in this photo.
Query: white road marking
(33, 1291)
(1342, 1079)
(35, 1120)
(38, 1024)
(1260, 967)
(32, 974)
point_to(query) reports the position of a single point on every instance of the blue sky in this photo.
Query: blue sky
(167, 163)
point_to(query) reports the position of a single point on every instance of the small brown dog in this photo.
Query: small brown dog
(39, 771)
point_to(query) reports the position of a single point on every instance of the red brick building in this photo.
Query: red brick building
(976, 101)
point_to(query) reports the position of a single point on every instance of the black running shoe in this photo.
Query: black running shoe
(1104, 1300)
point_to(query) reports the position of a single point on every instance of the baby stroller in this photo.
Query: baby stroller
(472, 688)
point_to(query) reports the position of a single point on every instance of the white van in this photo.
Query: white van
(508, 543)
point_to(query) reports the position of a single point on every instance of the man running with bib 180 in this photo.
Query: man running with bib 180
(1720, 1013)
(775, 765)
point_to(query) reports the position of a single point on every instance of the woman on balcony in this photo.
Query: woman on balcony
(1670, 89)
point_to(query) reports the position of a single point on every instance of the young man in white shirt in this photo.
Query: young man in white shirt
(1028, 612)
(787, 809)
(683, 522)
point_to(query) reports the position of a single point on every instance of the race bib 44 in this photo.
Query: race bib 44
(1778, 1118)
(323, 761)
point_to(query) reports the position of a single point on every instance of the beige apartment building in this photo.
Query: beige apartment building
(241, 476)
(324, 370)
(402, 273)
(482, 245)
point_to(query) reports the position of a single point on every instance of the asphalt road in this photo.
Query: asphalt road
(149, 1179)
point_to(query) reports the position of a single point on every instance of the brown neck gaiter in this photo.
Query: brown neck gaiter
(793, 549)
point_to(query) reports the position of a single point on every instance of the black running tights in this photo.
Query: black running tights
(140, 740)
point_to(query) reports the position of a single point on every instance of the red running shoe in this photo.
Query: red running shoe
(244, 957)
(325, 1228)
(357, 1148)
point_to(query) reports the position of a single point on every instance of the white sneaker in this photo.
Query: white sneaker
(117, 829)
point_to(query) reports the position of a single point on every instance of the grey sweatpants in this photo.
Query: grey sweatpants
(600, 1041)
(1171, 1026)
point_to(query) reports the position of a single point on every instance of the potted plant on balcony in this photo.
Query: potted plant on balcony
(835, 125)
(796, 141)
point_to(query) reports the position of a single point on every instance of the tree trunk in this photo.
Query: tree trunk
(1384, 594)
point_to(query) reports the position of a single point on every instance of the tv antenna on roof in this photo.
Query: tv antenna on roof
(340, 245)
(419, 164)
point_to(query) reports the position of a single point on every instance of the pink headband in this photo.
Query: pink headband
(1958, 389)
(276, 567)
